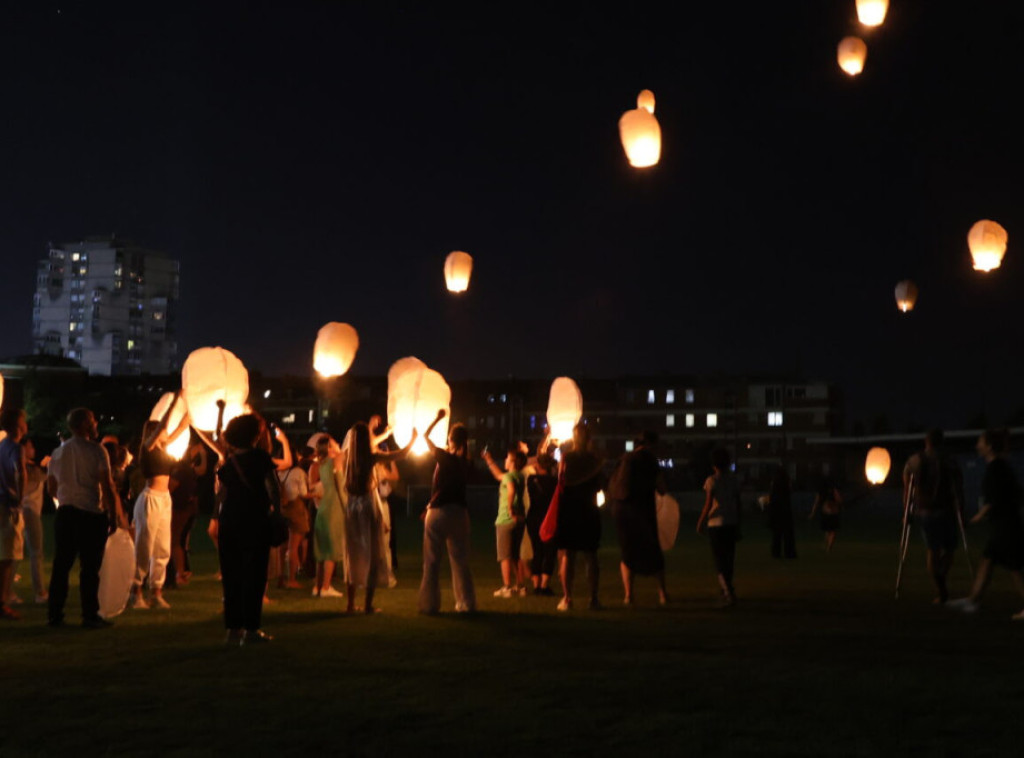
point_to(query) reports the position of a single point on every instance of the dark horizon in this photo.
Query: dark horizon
(318, 162)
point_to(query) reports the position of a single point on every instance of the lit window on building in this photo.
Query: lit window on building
(670, 420)
(289, 419)
(712, 420)
(311, 413)
(775, 418)
(650, 397)
(689, 396)
(629, 446)
(670, 396)
(75, 256)
(690, 420)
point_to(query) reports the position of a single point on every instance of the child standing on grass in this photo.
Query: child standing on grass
(831, 503)
(511, 521)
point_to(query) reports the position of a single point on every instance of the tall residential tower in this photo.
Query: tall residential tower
(109, 305)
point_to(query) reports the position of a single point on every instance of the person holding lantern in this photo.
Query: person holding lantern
(153, 510)
(578, 519)
(511, 521)
(365, 555)
(446, 522)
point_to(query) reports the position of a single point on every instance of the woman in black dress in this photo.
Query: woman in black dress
(579, 521)
(1000, 506)
(247, 479)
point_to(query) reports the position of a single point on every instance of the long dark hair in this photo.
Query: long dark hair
(359, 460)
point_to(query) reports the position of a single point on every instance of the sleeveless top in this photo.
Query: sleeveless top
(156, 462)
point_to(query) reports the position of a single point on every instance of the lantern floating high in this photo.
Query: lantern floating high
(212, 374)
(876, 466)
(415, 394)
(872, 12)
(335, 349)
(179, 447)
(565, 408)
(640, 132)
(906, 295)
(987, 242)
(457, 268)
(851, 54)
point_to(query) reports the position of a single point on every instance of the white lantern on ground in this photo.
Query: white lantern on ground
(906, 295)
(565, 408)
(872, 12)
(335, 349)
(179, 447)
(640, 133)
(987, 242)
(212, 374)
(415, 395)
(457, 268)
(851, 54)
(876, 466)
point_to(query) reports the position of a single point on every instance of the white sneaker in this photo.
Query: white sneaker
(331, 592)
(964, 605)
(505, 592)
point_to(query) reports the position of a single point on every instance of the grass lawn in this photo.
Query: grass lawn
(817, 658)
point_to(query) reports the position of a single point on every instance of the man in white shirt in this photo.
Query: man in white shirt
(79, 479)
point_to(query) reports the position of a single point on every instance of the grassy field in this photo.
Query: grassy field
(817, 658)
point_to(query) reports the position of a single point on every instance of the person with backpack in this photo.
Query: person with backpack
(934, 482)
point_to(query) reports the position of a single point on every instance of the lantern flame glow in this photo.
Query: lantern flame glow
(415, 394)
(211, 374)
(565, 408)
(906, 295)
(335, 349)
(877, 464)
(872, 12)
(640, 133)
(457, 268)
(987, 242)
(851, 54)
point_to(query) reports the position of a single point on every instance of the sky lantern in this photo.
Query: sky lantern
(457, 268)
(640, 132)
(1, 390)
(211, 374)
(851, 54)
(872, 12)
(415, 394)
(565, 408)
(987, 241)
(335, 349)
(876, 467)
(906, 295)
(179, 447)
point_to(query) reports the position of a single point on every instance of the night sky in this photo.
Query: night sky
(316, 161)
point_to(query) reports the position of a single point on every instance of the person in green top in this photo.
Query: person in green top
(511, 521)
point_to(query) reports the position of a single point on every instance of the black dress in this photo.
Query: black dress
(1001, 490)
(579, 521)
(635, 510)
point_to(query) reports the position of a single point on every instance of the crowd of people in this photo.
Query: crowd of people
(325, 512)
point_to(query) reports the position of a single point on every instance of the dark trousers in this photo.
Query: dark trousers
(723, 550)
(783, 540)
(243, 569)
(544, 553)
(82, 535)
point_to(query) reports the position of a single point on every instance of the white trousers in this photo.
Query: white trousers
(152, 537)
(34, 547)
(446, 526)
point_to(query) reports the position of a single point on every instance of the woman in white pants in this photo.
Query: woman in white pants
(32, 512)
(152, 517)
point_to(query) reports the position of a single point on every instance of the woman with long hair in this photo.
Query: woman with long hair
(721, 517)
(579, 521)
(365, 556)
(153, 509)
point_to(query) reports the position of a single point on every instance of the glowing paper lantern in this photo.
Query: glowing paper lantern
(851, 54)
(457, 268)
(1, 390)
(640, 132)
(876, 467)
(601, 500)
(565, 408)
(872, 12)
(987, 241)
(415, 394)
(335, 349)
(211, 374)
(179, 447)
(906, 295)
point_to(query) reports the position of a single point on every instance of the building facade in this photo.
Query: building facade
(109, 305)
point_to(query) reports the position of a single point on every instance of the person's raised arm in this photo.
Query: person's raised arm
(395, 455)
(441, 413)
(286, 461)
(496, 472)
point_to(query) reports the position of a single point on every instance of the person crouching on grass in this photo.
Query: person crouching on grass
(511, 521)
